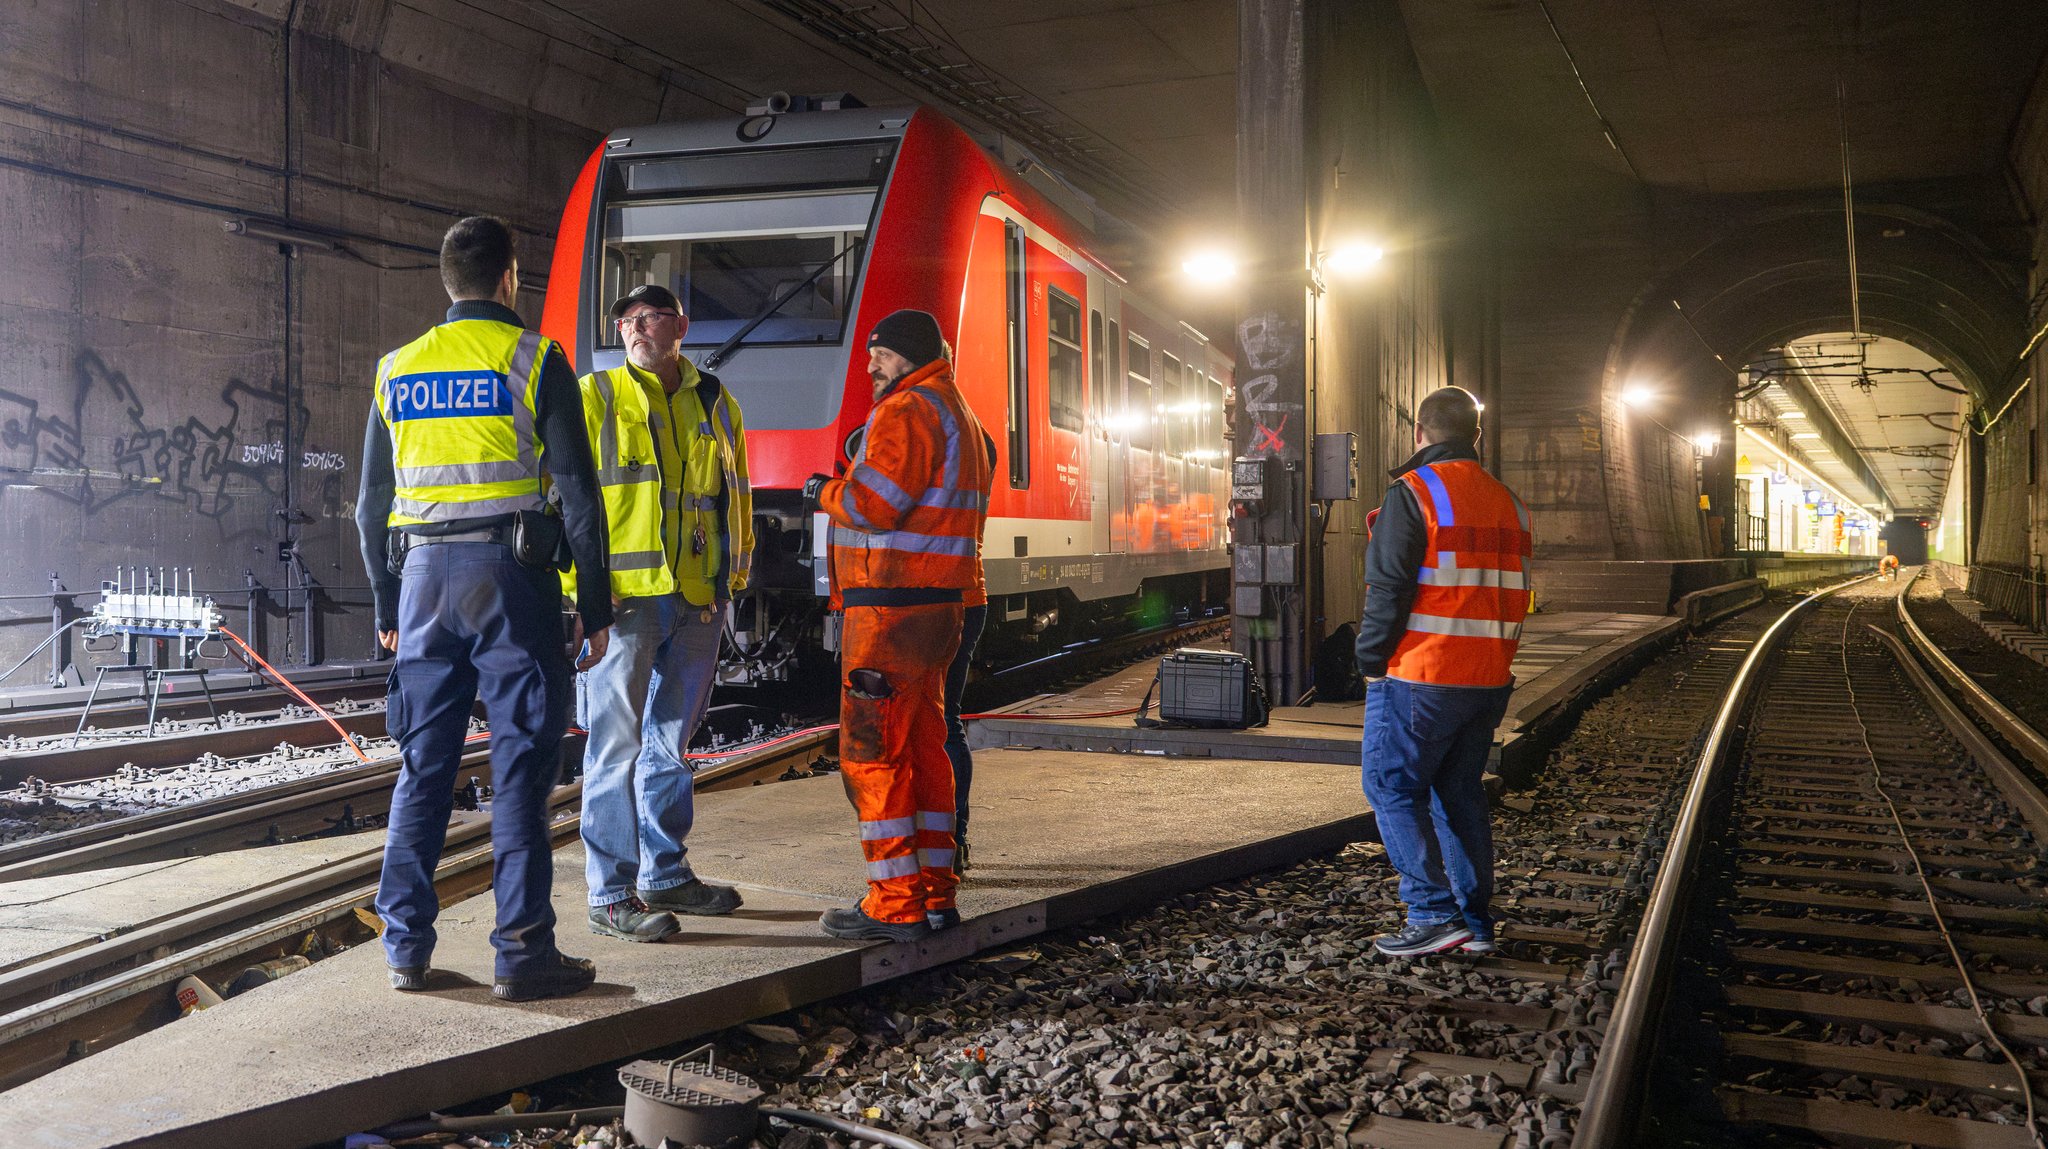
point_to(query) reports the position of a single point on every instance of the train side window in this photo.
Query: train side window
(1098, 380)
(1112, 391)
(1063, 358)
(1017, 295)
(1168, 412)
(1139, 396)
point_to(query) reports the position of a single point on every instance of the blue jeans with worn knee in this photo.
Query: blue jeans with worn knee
(1424, 752)
(641, 704)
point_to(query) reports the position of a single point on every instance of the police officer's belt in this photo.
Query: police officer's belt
(497, 534)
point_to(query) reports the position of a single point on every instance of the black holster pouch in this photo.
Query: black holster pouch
(395, 542)
(536, 538)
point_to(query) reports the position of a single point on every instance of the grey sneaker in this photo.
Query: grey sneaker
(1479, 947)
(408, 978)
(693, 897)
(1415, 940)
(633, 921)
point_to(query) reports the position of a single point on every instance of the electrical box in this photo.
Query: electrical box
(1251, 479)
(1336, 471)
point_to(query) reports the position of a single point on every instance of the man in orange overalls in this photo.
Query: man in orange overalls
(906, 530)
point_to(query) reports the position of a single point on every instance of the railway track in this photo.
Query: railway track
(1846, 939)
(70, 1001)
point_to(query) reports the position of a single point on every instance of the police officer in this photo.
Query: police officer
(1446, 573)
(906, 530)
(472, 421)
(672, 456)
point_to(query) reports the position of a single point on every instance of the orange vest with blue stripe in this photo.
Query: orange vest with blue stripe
(1472, 591)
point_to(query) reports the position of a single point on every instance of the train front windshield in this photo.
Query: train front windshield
(733, 232)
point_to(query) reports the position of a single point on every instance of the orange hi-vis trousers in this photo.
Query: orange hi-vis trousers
(892, 753)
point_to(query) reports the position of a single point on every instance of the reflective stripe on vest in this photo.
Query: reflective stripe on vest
(459, 405)
(946, 496)
(1472, 591)
(639, 504)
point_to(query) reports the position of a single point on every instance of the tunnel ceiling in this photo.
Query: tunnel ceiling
(1135, 100)
(1895, 403)
(1734, 96)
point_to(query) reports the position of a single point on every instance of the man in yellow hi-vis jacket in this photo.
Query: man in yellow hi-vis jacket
(672, 461)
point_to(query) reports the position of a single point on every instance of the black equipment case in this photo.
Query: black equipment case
(1216, 689)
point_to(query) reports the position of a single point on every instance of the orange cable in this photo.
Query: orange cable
(346, 738)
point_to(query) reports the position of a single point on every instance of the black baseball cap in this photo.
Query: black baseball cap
(651, 294)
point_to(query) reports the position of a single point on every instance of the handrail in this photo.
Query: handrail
(1607, 1118)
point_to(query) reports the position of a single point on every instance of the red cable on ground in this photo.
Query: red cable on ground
(346, 739)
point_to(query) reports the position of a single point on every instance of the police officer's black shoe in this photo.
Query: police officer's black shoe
(632, 920)
(695, 896)
(944, 919)
(558, 976)
(408, 978)
(854, 922)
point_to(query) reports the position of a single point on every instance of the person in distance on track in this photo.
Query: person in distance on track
(906, 531)
(672, 457)
(1888, 566)
(1446, 571)
(472, 422)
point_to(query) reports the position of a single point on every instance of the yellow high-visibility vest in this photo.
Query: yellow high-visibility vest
(662, 461)
(459, 403)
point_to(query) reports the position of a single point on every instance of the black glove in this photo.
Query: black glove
(813, 487)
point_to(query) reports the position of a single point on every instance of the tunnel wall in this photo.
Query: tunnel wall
(174, 395)
(1382, 340)
(2010, 551)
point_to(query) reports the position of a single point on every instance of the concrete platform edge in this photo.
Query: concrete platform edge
(360, 1106)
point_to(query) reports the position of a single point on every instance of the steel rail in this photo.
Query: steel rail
(49, 721)
(69, 1002)
(1608, 1116)
(2008, 725)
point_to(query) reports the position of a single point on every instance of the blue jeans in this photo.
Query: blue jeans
(1424, 751)
(473, 622)
(641, 704)
(972, 622)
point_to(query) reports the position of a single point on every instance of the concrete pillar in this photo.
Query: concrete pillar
(1275, 573)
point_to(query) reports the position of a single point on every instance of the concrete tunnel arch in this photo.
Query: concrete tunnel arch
(1774, 278)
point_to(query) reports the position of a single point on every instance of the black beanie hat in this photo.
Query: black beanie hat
(911, 334)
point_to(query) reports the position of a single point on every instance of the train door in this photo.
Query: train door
(1141, 503)
(1173, 446)
(1116, 504)
(1099, 450)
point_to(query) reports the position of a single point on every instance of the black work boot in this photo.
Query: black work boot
(854, 922)
(556, 976)
(408, 978)
(633, 921)
(695, 896)
(944, 919)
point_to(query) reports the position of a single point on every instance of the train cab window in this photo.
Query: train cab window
(1169, 411)
(774, 233)
(1098, 382)
(1017, 301)
(1063, 358)
(1139, 396)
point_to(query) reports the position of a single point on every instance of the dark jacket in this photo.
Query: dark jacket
(558, 424)
(1393, 555)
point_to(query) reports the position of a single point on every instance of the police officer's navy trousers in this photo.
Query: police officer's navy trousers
(473, 622)
(972, 621)
(1424, 753)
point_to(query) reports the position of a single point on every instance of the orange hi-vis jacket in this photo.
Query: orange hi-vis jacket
(1472, 591)
(907, 519)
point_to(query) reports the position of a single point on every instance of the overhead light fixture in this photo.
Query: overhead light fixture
(1705, 442)
(1806, 434)
(1794, 413)
(1210, 268)
(1353, 258)
(1637, 395)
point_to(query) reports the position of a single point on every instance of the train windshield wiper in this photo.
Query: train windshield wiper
(725, 350)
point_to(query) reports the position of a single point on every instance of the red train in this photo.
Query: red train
(788, 235)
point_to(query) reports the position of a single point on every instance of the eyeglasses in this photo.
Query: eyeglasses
(646, 320)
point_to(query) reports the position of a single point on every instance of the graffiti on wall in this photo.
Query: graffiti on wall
(107, 446)
(1266, 343)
